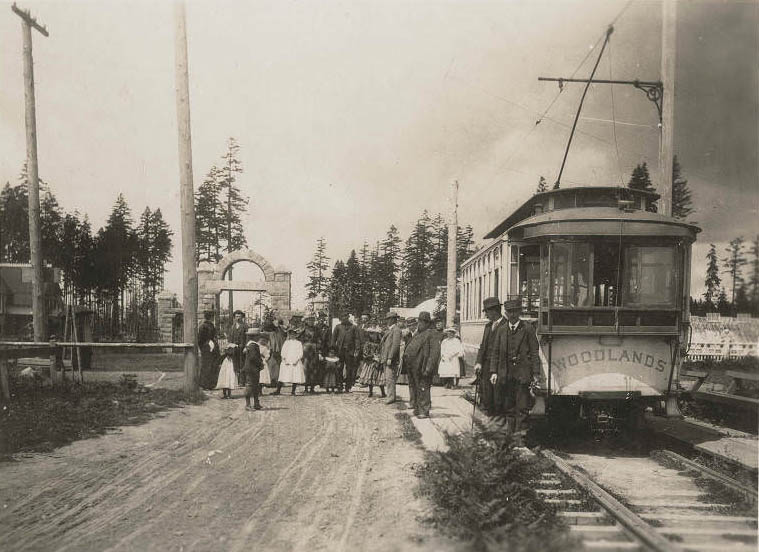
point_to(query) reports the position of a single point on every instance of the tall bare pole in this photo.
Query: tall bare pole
(453, 225)
(666, 146)
(39, 316)
(187, 204)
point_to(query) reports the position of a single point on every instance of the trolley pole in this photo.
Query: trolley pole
(187, 204)
(39, 316)
(450, 304)
(666, 145)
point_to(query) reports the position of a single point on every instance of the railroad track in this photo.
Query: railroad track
(666, 512)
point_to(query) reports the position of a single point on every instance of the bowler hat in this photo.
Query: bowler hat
(391, 314)
(491, 302)
(424, 316)
(411, 319)
(512, 304)
(239, 312)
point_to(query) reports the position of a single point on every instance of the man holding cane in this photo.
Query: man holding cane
(390, 348)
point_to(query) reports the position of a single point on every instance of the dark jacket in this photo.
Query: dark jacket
(518, 353)
(207, 333)
(422, 354)
(346, 340)
(253, 362)
(488, 347)
(237, 334)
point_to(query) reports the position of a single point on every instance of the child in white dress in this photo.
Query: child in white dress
(227, 377)
(451, 351)
(291, 369)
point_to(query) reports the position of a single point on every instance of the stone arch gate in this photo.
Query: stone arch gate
(277, 283)
(211, 281)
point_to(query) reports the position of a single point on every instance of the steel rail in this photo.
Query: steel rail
(748, 492)
(639, 529)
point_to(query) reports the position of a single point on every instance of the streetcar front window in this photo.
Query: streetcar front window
(606, 273)
(649, 276)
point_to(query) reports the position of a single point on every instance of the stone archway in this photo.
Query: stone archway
(211, 281)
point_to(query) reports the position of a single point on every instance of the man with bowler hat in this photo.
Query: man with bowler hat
(487, 352)
(422, 356)
(390, 349)
(515, 365)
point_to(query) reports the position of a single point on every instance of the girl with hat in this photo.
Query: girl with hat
(264, 377)
(372, 372)
(227, 377)
(451, 356)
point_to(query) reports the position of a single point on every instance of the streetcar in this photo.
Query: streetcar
(604, 279)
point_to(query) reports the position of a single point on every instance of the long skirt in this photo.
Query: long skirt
(371, 373)
(272, 367)
(292, 373)
(208, 369)
(227, 377)
(311, 364)
(264, 378)
(329, 378)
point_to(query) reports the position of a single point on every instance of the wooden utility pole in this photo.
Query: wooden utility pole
(453, 225)
(39, 316)
(666, 145)
(187, 205)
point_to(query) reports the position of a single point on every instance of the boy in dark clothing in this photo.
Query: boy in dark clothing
(252, 368)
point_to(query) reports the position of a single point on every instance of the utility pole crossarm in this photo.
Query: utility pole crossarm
(654, 89)
(31, 21)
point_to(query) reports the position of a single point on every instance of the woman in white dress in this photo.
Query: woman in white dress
(291, 369)
(227, 377)
(451, 350)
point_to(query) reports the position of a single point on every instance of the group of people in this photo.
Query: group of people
(508, 363)
(307, 353)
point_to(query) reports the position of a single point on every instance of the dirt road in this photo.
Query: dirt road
(324, 472)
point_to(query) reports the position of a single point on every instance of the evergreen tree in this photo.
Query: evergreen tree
(734, 262)
(352, 288)
(464, 244)
(51, 228)
(753, 280)
(318, 282)
(209, 218)
(438, 266)
(723, 305)
(14, 224)
(640, 179)
(337, 283)
(712, 281)
(682, 203)
(416, 261)
(366, 283)
(542, 186)
(234, 202)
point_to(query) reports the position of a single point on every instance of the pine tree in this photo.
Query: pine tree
(14, 224)
(712, 281)
(682, 203)
(337, 297)
(542, 186)
(234, 202)
(416, 260)
(318, 282)
(366, 283)
(640, 179)
(353, 297)
(438, 265)
(209, 218)
(734, 262)
(753, 281)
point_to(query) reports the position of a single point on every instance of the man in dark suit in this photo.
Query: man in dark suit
(422, 356)
(488, 351)
(237, 336)
(515, 366)
(390, 350)
(346, 342)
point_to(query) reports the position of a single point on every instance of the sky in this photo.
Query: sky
(352, 116)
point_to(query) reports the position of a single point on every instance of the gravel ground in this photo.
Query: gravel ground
(324, 472)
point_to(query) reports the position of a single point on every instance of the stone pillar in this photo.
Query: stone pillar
(167, 305)
(206, 300)
(281, 292)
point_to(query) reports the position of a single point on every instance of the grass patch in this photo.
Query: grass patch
(40, 419)
(408, 429)
(482, 494)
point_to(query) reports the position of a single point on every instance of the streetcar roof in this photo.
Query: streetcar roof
(595, 221)
(527, 209)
